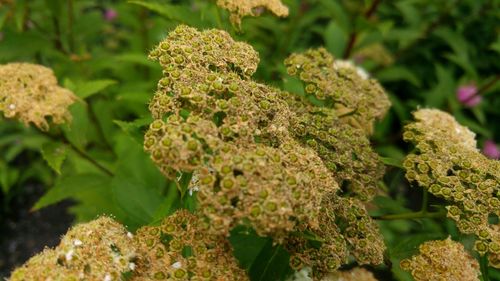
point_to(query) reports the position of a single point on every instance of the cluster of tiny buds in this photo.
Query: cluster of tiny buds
(254, 156)
(241, 8)
(30, 93)
(99, 250)
(447, 163)
(442, 260)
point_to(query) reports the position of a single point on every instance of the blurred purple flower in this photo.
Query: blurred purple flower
(467, 95)
(491, 150)
(110, 14)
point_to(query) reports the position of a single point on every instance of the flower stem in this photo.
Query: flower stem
(483, 263)
(80, 152)
(411, 215)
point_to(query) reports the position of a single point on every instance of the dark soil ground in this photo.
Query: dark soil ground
(24, 233)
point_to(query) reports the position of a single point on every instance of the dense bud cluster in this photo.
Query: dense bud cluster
(241, 8)
(357, 100)
(98, 250)
(447, 163)
(260, 156)
(236, 139)
(442, 260)
(30, 93)
(182, 249)
(178, 249)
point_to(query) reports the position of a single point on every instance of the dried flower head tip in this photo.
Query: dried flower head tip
(30, 93)
(358, 100)
(98, 250)
(241, 8)
(182, 249)
(447, 163)
(442, 260)
(355, 274)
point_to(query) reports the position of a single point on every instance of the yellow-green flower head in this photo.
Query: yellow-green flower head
(99, 250)
(181, 248)
(30, 93)
(242, 8)
(447, 163)
(442, 260)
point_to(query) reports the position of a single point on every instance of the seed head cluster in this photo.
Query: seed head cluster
(30, 93)
(239, 9)
(182, 249)
(447, 163)
(442, 260)
(260, 156)
(98, 250)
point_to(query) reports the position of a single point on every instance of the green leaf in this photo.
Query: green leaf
(8, 177)
(397, 73)
(91, 88)
(258, 256)
(54, 154)
(177, 13)
(335, 39)
(138, 185)
(392, 162)
(408, 245)
(72, 186)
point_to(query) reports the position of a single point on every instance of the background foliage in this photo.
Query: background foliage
(424, 50)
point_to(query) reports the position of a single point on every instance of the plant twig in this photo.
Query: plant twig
(80, 152)
(353, 37)
(412, 215)
(483, 263)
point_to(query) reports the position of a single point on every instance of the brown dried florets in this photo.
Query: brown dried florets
(182, 249)
(346, 229)
(250, 164)
(241, 8)
(355, 274)
(236, 139)
(357, 99)
(447, 163)
(98, 250)
(442, 260)
(30, 93)
(375, 52)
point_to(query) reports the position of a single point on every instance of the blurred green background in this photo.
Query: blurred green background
(426, 53)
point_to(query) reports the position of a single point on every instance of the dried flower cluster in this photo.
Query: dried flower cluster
(264, 157)
(447, 163)
(239, 9)
(30, 93)
(376, 53)
(355, 274)
(181, 249)
(178, 249)
(98, 250)
(442, 260)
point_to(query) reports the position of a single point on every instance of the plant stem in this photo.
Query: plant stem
(411, 215)
(483, 263)
(71, 17)
(80, 152)
(425, 201)
(353, 37)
